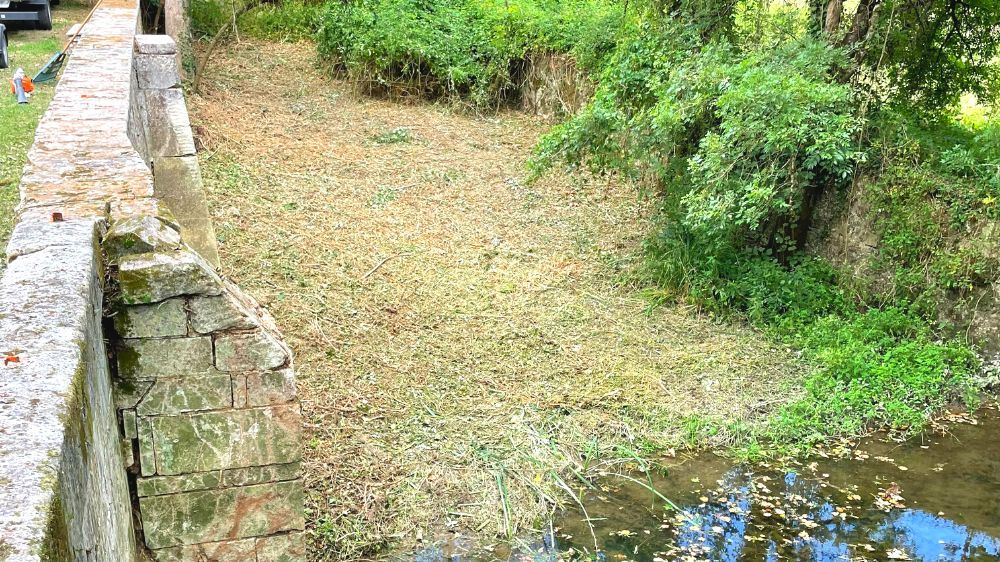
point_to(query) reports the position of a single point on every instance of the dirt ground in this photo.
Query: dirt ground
(468, 346)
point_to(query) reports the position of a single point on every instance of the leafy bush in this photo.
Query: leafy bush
(207, 16)
(472, 48)
(293, 20)
(737, 140)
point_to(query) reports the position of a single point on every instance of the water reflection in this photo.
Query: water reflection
(936, 499)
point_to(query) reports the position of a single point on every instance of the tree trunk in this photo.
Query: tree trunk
(834, 12)
(860, 27)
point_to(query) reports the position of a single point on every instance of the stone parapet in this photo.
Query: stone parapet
(63, 494)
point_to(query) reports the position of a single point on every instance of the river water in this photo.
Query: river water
(934, 498)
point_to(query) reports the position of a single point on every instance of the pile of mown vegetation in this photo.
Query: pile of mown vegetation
(745, 118)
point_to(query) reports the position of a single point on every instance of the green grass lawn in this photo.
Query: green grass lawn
(29, 50)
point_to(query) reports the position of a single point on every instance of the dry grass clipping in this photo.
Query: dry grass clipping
(465, 343)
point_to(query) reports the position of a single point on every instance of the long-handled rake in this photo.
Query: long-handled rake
(51, 68)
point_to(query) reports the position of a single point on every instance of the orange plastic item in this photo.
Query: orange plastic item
(25, 83)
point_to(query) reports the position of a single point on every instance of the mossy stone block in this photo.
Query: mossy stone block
(254, 351)
(153, 277)
(215, 515)
(187, 394)
(228, 439)
(159, 485)
(260, 474)
(172, 357)
(267, 389)
(290, 547)
(212, 314)
(163, 319)
(244, 550)
(140, 235)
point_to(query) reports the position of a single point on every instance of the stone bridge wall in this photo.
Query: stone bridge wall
(147, 406)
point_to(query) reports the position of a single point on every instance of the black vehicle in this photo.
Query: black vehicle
(4, 58)
(35, 14)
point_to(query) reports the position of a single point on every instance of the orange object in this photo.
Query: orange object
(26, 83)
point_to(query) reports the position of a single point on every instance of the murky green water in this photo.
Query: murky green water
(937, 498)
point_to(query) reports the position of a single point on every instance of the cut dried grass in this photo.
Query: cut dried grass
(466, 344)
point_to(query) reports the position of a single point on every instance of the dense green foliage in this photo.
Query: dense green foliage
(742, 140)
(471, 47)
(934, 51)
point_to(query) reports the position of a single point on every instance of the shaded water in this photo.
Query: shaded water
(935, 498)
(932, 499)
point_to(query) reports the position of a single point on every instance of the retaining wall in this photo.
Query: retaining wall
(147, 406)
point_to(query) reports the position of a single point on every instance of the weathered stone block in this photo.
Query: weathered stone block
(153, 277)
(128, 392)
(140, 235)
(163, 319)
(230, 513)
(156, 71)
(266, 389)
(128, 454)
(211, 314)
(290, 547)
(155, 45)
(129, 424)
(249, 352)
(155, 358)
(147, 453)
(160, 485)
(244, 550)
(187, 394)
(167, 126)
(177, 184)
(228, 439)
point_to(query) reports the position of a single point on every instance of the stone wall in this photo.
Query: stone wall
(207, 396)
(185, 445)
(63, 494)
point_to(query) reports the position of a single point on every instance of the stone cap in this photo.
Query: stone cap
(155, 45)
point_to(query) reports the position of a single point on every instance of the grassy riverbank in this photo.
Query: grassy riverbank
(467, 345)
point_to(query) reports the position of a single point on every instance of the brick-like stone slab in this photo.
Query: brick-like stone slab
(243, 550)
(289, 547)
(155, 45)
(139, 235)
(146, 359)
(254, 351)
(161, 485)
(187, 394)
(163, 319)
(227, 439)
(224, 312)
(153, 277)
(267, 389)
(215, 515)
